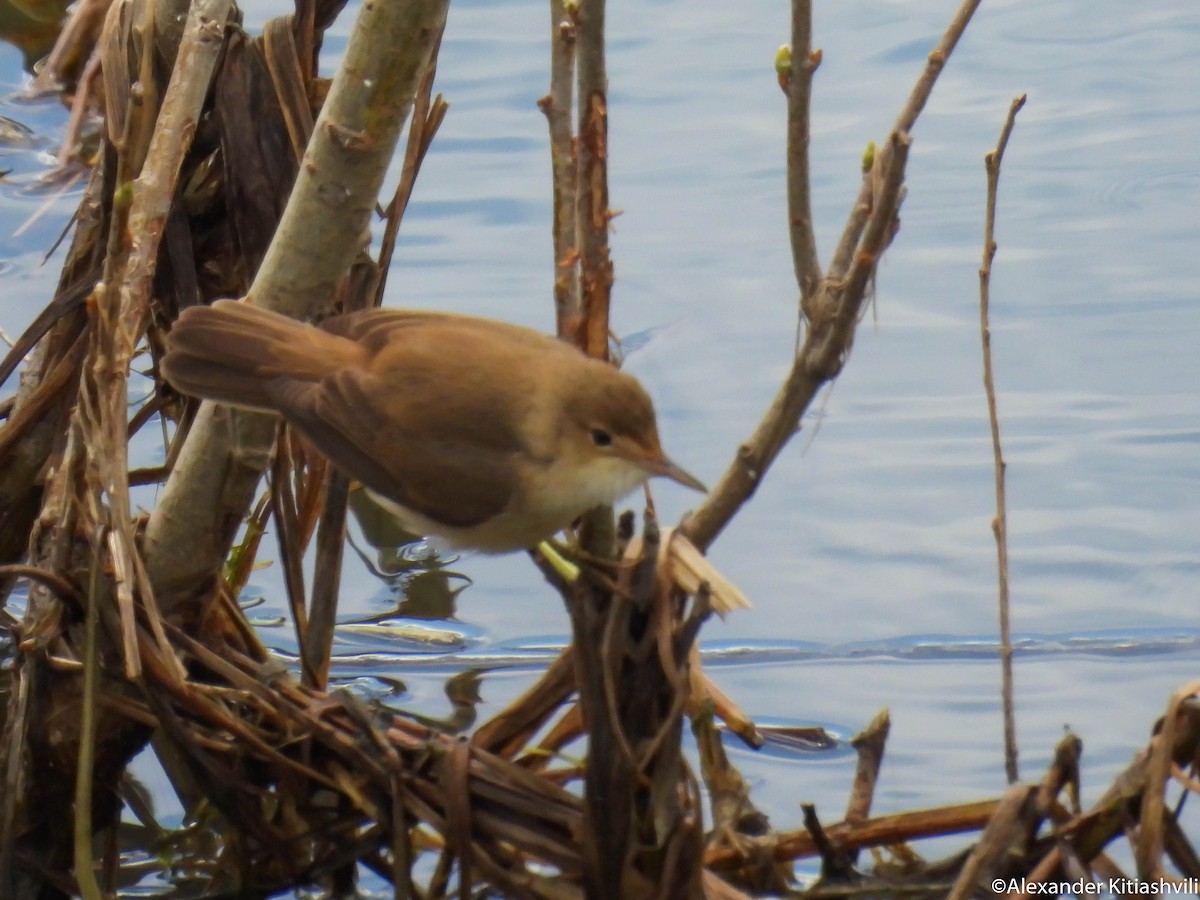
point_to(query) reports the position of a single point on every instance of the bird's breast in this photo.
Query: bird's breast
(561, 490)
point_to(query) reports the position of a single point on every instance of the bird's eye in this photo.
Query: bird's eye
(601, 438)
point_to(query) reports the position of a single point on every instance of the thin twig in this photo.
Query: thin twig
(917, 98)
(327, 577)
(799, 95)
(427, 116)
(81, 104)
(85, 872)
(557, 107)
(291, 549)
(77, 36)
(55, 582)
(1000, 523)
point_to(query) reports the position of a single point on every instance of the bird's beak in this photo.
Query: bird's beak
(663, 466)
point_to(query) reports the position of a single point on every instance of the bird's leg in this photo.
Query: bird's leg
(571, 562)
(549, 549)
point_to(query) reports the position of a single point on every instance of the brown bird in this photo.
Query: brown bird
(488, 435)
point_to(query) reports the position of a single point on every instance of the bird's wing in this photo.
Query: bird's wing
(374, 328)
(366, 430)
(359, 325)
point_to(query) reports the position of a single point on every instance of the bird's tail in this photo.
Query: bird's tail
(234, 352)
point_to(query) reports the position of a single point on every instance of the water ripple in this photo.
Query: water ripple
(1137, 644)
(535, 654)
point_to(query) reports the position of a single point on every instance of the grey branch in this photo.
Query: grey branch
(322, 229)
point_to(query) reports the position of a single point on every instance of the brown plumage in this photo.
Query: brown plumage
(484, 433)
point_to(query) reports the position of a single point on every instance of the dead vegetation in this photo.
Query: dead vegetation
(132, 631)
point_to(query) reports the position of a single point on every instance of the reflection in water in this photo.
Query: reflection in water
(415, 574)
(32, 27)
(397, 645)
(794, 739)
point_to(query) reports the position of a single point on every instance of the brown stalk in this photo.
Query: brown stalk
(1148, 849)
(869, 745)
(874, 832)
(1007, 830)
(799, 97)
(564, 166)
(85, 873)
(510, 730)
(317, 649)
(287, 528)
(592, 209)
(428, 114)
(992, 163)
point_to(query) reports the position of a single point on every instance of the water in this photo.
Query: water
(868, 552)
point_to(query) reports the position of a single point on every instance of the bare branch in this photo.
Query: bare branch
(934, 65)
(820, 358)
(799, 95)
(834, 307)
(322, 229)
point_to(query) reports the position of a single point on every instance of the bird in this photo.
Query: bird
(482, 434)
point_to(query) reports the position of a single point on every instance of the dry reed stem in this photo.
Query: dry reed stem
(513, 727)
(869, 745)
(85, 873)
(557, 106)
(427, 117)
(76, 41)
(706, 698)
(592, 209)
(992, 162)
(1148, 849)
(317, 648)
(874, 832)
(1007, 830)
